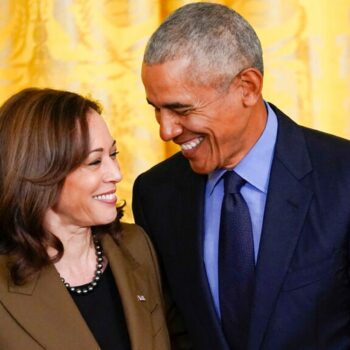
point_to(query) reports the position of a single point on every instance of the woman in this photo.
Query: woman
(71, 275)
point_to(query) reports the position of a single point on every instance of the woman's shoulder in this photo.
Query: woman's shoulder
(134, 243)
(131, 230)
(4, 272)
(133, 236)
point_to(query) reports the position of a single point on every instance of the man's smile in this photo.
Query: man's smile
(187, 146)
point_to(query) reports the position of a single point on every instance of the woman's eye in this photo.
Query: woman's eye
(95, 162)
(114, 155)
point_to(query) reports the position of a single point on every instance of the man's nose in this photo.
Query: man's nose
(169, 125)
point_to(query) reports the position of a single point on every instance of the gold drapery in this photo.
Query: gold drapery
(95, 48)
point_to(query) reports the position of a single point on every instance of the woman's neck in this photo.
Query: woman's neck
(78, 263)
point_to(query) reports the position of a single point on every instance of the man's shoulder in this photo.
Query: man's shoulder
(304, 148)
(176, 165)
(320, 139)
(329, 154)
(314, 138)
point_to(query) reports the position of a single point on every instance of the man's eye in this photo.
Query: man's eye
(114, 155)
(183, 112)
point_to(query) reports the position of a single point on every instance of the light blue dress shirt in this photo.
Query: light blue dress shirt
(255, 168)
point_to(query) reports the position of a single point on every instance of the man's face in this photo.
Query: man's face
(213, 128)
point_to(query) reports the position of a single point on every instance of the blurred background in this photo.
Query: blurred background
(95, 48)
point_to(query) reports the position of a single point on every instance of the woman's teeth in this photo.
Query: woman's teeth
(106, 197)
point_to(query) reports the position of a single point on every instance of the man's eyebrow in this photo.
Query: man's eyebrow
(101, 149)
(172, 105)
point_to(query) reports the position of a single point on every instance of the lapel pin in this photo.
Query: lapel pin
(141, 298)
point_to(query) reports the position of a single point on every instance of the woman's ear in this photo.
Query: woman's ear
(251, 85)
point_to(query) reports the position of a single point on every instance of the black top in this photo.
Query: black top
(103, 312)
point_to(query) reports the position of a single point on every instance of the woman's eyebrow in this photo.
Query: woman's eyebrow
(100, 149)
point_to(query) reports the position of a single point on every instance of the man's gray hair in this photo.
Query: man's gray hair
(215, 39)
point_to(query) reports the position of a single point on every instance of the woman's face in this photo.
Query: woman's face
(88, 194)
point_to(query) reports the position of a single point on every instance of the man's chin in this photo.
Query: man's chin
(200, 168)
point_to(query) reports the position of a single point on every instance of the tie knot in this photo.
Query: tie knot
(233, 182)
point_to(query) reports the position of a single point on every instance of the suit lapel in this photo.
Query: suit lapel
(190, 222)
(286, 208)
(189, 229)
(132, 285)
(46, 311)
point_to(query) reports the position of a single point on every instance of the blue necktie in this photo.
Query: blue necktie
(236, 263)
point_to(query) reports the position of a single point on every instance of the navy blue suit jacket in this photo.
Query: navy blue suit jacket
(302, 292)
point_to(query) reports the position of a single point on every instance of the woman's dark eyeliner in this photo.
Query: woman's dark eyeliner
(114, 154)
(98, 161)
(95, 162)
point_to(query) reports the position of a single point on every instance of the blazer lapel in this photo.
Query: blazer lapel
(46, 311)
(286, 208)
(133, 289)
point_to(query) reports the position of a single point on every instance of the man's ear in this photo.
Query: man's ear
(251, 83)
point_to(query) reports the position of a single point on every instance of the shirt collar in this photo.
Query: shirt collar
(255, 166)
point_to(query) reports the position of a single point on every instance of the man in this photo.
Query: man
(272, 272)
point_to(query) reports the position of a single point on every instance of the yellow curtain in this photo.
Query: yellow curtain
(95, 47)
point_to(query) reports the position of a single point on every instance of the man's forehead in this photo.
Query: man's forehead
(171, 85)
(170, 70)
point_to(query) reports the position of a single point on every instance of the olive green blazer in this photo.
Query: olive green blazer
(42, 314)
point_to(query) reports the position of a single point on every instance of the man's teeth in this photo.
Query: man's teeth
(192, 144)
(105, 197)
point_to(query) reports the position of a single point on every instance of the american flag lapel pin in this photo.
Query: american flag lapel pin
(141, 298)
